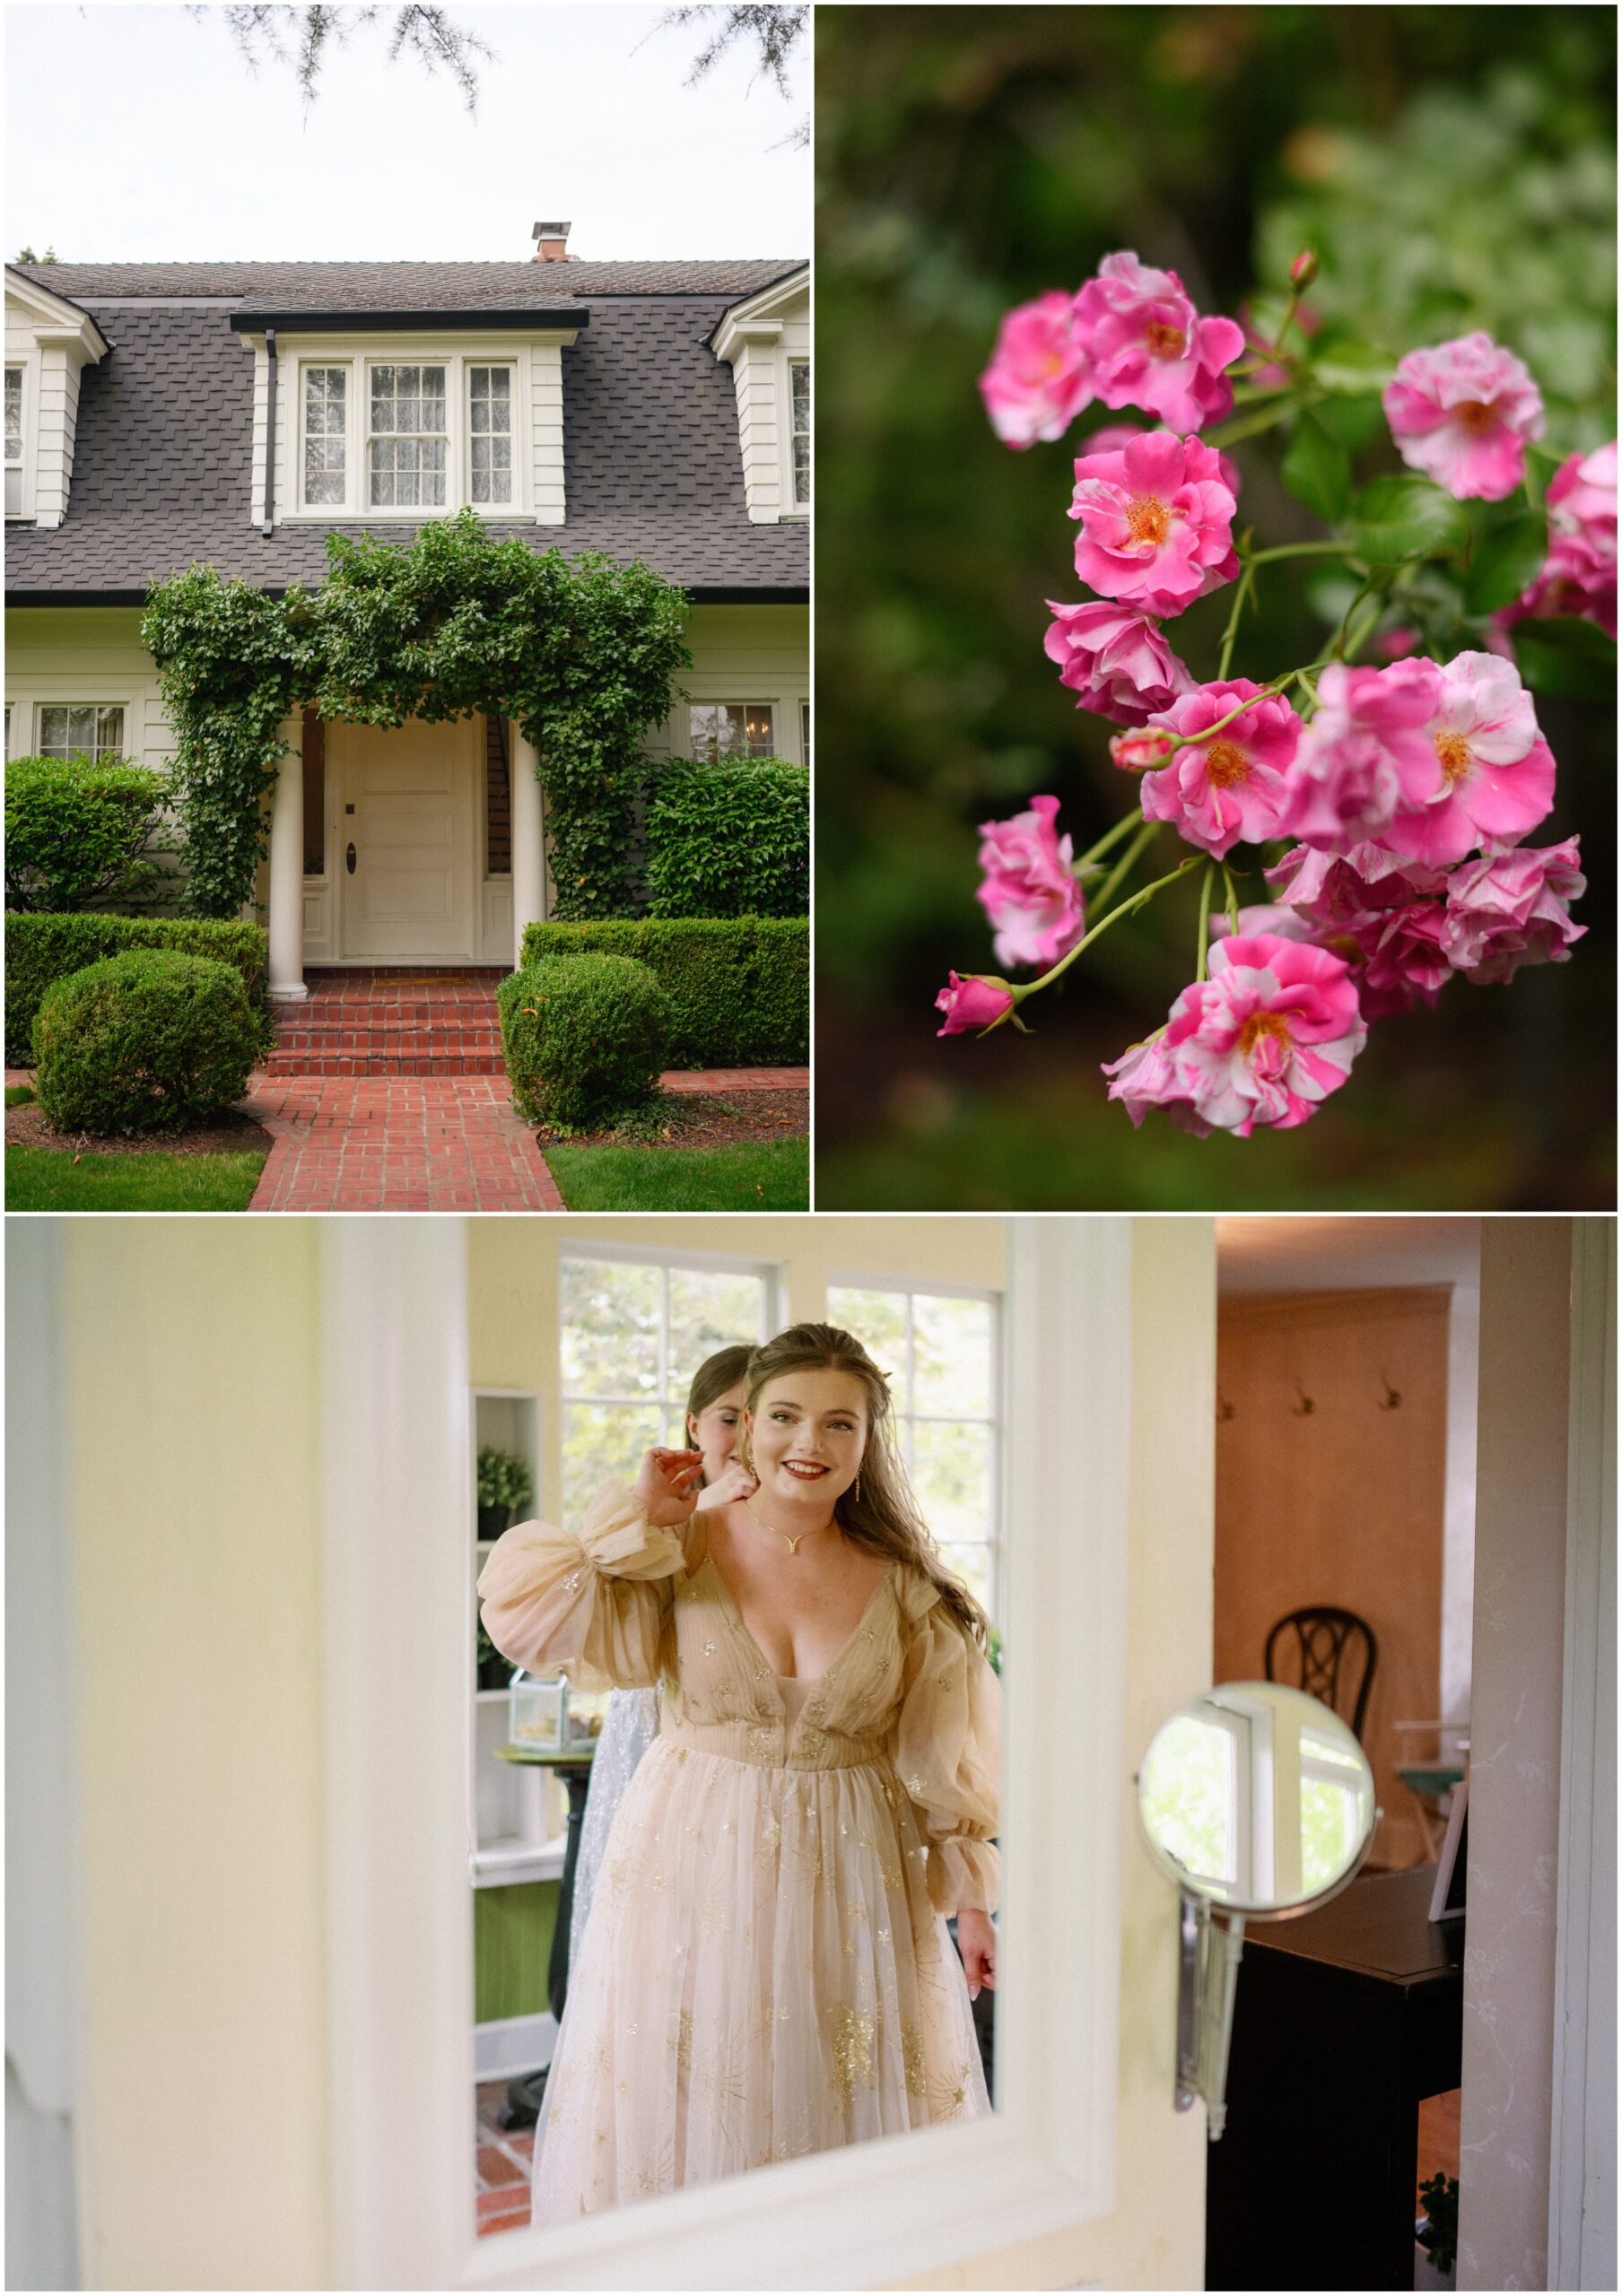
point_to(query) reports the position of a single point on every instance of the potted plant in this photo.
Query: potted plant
(495, 1670)
(1436, 2234)
(504, 1490)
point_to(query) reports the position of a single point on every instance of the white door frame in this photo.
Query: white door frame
(397, 1629)
(457, 730)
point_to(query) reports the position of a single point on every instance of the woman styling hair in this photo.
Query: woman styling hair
(767, 1971)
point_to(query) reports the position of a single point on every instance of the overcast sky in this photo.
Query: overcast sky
(137, 133)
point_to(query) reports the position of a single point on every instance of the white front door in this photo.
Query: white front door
(405, 856)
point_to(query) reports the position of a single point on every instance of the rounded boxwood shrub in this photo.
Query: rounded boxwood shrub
(584, 1039)
(148, 1041)
(39, 949)
(739, 986)
(76, 828)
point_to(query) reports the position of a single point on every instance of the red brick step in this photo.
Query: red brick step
(389, 1021)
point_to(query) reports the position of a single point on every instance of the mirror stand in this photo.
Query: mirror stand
(1208, 1970)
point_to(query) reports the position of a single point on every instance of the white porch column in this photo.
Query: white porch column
(287, 874)
(529, 850)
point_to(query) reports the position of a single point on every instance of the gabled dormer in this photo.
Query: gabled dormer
(767, 342)
(394, 416)
(48, 343)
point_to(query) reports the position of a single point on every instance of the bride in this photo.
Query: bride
(767, 1971)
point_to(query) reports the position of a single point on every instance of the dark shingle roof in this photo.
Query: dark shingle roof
(161, 465)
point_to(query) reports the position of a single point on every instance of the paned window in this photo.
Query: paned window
(632, 1333)
(325, 434)
(13, 442)
(730, 729)
(799, 428)
(406, 442)
(940, 1351)
(63, 732)
(490, 433)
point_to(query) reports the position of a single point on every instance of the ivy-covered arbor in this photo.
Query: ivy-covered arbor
(580, 655)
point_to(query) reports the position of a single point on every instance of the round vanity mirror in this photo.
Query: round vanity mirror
(1257, 1799)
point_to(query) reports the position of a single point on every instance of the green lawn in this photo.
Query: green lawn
(771, 1176)
(48, 1179)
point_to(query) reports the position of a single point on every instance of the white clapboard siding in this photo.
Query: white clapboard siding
(745, 654)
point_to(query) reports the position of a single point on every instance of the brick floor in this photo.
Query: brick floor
(396, 1144)
(502, 2163)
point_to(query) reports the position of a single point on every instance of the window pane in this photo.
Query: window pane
(757, 730)
(802, 471)
(13, 414)
(952, 1475)
(109, 733)
(610, 1328)
(14, 491)
(879, 1321)
(324, 438)
(799, 376)
(952, 1356)
(973, 1565)
(603, 1443)
(709, 1311)
(98, 731)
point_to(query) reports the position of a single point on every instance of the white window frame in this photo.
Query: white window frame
(911, 1288)
(114, 703)
(794, 504)
(358, 358)
(396, 1463)
(514, 410)
(772, 707)
(370, 438)
(766, 1272)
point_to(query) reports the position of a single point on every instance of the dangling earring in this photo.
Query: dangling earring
(859, 1486)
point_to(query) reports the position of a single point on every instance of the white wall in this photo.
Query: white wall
(55, 654)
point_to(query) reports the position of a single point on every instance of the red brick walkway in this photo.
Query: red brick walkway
(396, 1144)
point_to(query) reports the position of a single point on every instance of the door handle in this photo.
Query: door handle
(349, 860)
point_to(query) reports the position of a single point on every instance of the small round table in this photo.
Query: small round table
(525, 2091)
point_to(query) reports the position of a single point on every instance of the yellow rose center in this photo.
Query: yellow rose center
(1476, 415)
(1164, 342)
(1147, 519)
(1048, 366)
(1454, 752)
(1225, 763)
(1263, 1024)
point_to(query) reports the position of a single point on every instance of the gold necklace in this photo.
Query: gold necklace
(792, 1541)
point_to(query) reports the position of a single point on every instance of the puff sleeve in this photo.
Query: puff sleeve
(597, 1604)
(948, 1752)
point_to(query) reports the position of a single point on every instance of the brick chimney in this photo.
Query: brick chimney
(552, 242)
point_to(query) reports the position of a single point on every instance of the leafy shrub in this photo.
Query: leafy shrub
(584, 1037)
(39, 949)
(148, 1041)
(739, 986)
(75, 831)
(730, 839)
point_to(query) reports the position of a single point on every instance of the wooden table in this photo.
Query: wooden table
(1343, 2020)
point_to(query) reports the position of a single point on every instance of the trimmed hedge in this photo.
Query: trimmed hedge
(76, 829)
(730, 839)
(39, 949)
(739, 986)
(584, 1037)
(146, 1042)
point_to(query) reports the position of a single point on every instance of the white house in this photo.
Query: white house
(162, 415)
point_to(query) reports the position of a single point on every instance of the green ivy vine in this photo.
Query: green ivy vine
(579, 655)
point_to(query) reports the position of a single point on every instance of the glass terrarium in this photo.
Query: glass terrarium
(553, 1715)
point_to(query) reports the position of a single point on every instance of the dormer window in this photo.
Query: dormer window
(407, 442)
(325, 434)
(13, 442)
(490, 433)
(799, 430)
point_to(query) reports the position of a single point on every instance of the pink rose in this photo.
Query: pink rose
(1235, 785)
(1037, 380)
(1113, 436)
(1365, 754)
(1462, 413)
(1269, 1035)
(1579, 576)
(1403, 961)
(1156, 523)
(1379, 914)
(1114, 660)
(1509, 909)
(1147, 348)
(1496, 777)
(1029, 892)
(972, 1001)
(1265, 916)
(1341, 893)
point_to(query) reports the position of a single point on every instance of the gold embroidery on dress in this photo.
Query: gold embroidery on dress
(852, 2065)
(683, 2041)
(772, 1833)
(912, 2058)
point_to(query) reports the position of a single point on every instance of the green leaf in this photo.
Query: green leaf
(1318, 471)
(1398, 517)
(1509, 561)
(1353, 368)
(1354, 420)
(1574, 660)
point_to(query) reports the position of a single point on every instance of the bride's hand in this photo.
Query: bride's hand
(977, 1943)
(734, 1482)
(668, 1484)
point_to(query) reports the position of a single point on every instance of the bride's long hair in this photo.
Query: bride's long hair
(884, 1519)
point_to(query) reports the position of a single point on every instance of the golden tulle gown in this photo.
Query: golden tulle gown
(766, 1969)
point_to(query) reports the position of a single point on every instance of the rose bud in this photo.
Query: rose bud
(1141, 751)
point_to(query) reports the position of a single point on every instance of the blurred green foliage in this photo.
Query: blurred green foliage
(1455, 169)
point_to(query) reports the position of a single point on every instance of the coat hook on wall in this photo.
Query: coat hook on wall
(1392, 1398)
(1225, 1409)
(1305, 1407)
